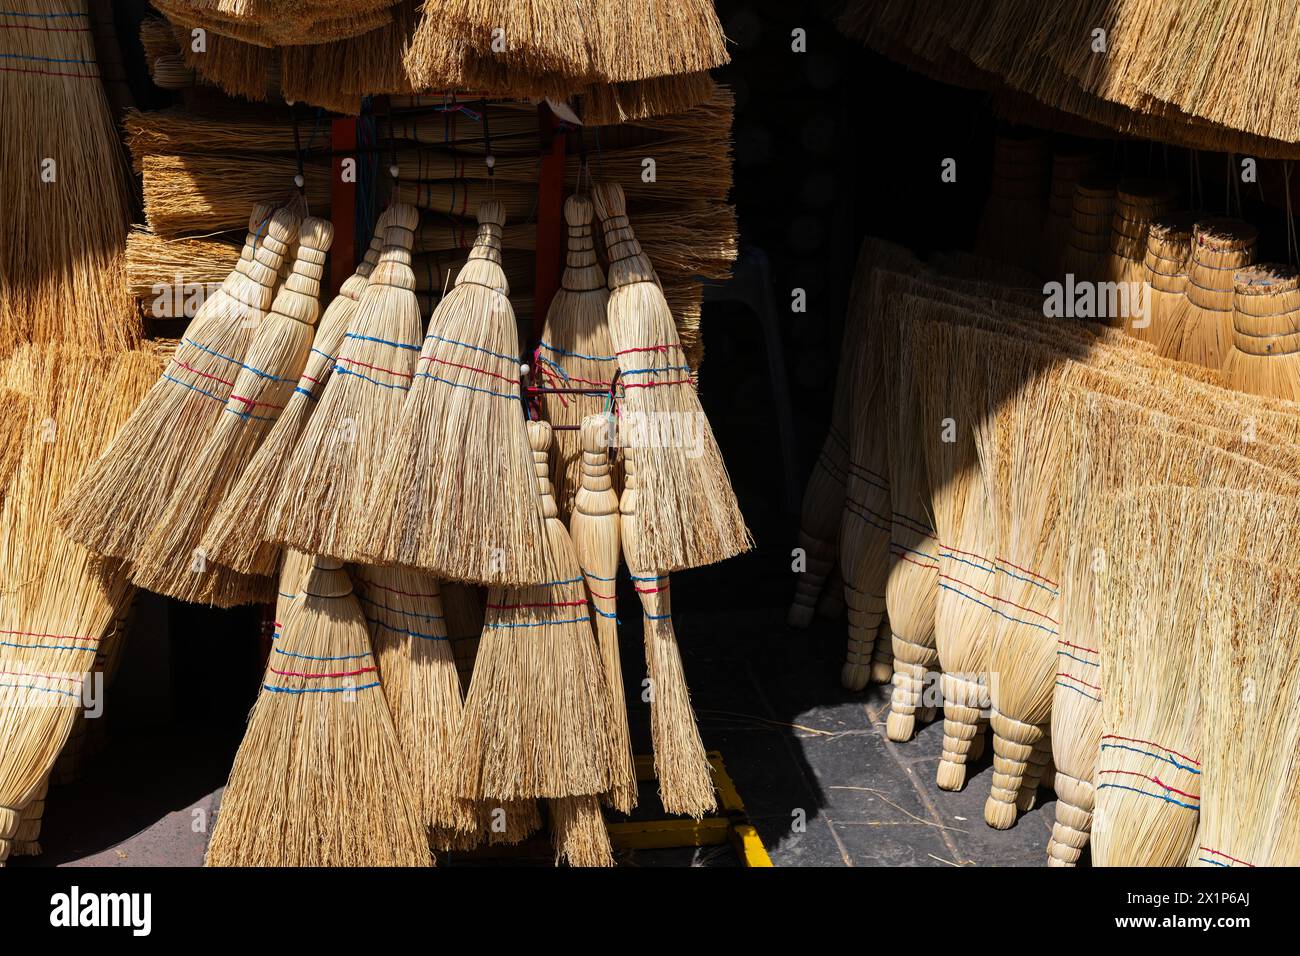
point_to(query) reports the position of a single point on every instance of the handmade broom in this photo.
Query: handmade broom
(121, 496)
(458, 466)
(319, 779)
(235, 536)
(171, 561)
(336, 461)
(1090, 225)
(57, 600)
(536, 713)
(681, 765)
(1203, 320)
(1265, 354)
(1068, 167)
(1137, 203)
(575, 351)
(1169, 245)
(594, 528)
(687, 514)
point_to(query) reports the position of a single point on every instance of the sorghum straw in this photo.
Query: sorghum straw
(319, 779)
(687, 514)
(170, 560)
(1088, 244)
(236, 535)
(58, 598)
(119, 499)
(335, 465)
(594, 528)
(575, 350)
(457, 467)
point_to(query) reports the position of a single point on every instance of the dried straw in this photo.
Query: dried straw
(57, 600)
(1265, 354)
(458, 466)
(1090, 226)
(319, 779)
(337, 459)
(594, 528)
(575, 350)
(170, 560)
(687, 515)
(1137, 203)
(1220, 249)
(1169, 247)
(119, 499)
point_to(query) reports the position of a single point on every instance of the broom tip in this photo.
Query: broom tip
(402, 215)
(539, 435)
(578, 211)
(316, 233)
(260, 215)
(491, 212)
(609, 200)
(594, 434)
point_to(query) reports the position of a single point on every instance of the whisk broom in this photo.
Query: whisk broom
(1169, 246)
(1220, 248)
(171, 561)
(594, 528)
(117, 502)
(337, 457)
(1265, 354)
(536, 712)
(57, 600)
(1137, 202)
(458, 466)
(575, 351)
(235, 537)
(319, 779)
(687, 514)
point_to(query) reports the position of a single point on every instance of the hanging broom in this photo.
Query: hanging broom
(1169, 246)
(458, 467)
(594, 527)
(57, 600)
(536, 713)
(681, 765)
(687, 514)
(235, 537)
(336, 461)
(120, 498)
(575, 350)
(1265, 354)
(319, 779)
(171, 561)
(1090, 226)
(403, 609)
(27, 839)
(1137, 202)
(1250, 720)
(1203, 320)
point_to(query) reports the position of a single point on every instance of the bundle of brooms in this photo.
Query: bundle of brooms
(1137, 203)
(58, 599)
(1265, 354)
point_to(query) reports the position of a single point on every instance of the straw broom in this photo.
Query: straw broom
(536, 713)
(1068, 167)
(820, 512)
(319, 779)
(1265, 354)
(171, 561)
(1250, 722)
(1169, 246)
(57, 599)
(1013, 215)
(1090, 228)
(27, 839)
(1137, 202)
(681, 764)
(118, 500)
(235, 536)
(458, 466)
(594, 528)
(687, 514)
(575, 350)
(403, 610)
(337, 457)
(1220, 248)
(629, 41)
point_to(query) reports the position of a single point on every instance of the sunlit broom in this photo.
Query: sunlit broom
(57, 600)
(1169, 245)
(236, 535)
(575, 350)
(594, 527)
(1265, 354)
(687, 514)
(536, 713)
(1137, 203)
(171, 561)
(335, 464)
(457, 467)
(1203, 320)
(319, 779)
(120, 498)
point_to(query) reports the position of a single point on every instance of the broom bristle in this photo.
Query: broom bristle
(337, 457)
(236, 535)
(458, 467)
(171, 561)
(1169, 246)
(1220, 247)
(579, 832)
(319, 779)
(119, 499)
(687, 514)
(1265, 354)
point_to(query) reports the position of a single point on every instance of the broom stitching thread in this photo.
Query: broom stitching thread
(574, 620)
(1150, 743)
(1157, 780)
(46, 690)
(1079, 659)
(542, 343)
(397, 610)
(1147, 793)
(467, 368)
(71, 680)
(851, 507)
(1001, 600)
(1147, 753)
(309, 657)
(373, 368)
(472, 388)
(401, 630)
(1081, 681)
(1209, 849)
(1015, 620)
(316, 690)
(1077, 691)
(363, 670)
